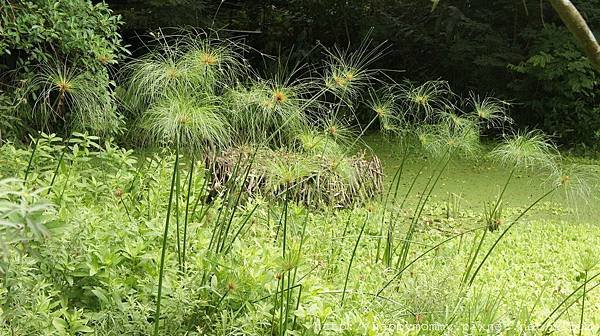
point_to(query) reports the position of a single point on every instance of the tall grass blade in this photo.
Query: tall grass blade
(362, 229)
(566, 299)
(30, 163)
(506, 230)
(187, 210)
(164, 248)
(434, 247)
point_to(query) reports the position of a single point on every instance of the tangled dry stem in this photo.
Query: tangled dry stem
(318, 183)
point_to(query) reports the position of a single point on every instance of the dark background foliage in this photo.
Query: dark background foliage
(514, 49)
(517, 50)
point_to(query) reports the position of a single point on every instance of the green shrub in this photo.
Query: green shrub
(560, 88)
(66, 36)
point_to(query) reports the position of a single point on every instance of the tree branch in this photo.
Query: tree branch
(579, 28)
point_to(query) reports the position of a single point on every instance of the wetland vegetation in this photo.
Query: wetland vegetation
(190, 189)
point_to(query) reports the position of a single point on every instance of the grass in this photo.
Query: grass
(274, 267)
(464, 240)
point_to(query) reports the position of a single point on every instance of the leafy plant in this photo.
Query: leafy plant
(565, 101)
(190, 121)
(23, 214)
(493, 216)
(77, 99)
(43, 45)
(529, 150)
(489, 111)
(99, 269)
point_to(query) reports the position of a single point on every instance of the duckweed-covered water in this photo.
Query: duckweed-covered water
(474, 182)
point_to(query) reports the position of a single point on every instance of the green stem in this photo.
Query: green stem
(281, 326)
(30, 163)
(226, 200)
(359, 136)
(200, 197)
(177, 196)
(62, 193)
(125, 207)
(222, 298)
(164, 248)
(60, 160)
(362, 229)
(422, 202)
(274, 307)
(473, 258)
(237, 202)
(589, 279)
(506, 230)
(501, 195)
(422, 255)
(277, 292)
(285, 215)
(297, 305)
(242, 226)
(583, 303)
(187, 209)
(55, 173)
(395, 181)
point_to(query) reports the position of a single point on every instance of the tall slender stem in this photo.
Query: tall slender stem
(566, 299)
(484, 234)
(30, 163)
(187, 208)
(55, 173)
(399, 273)
(420, 206)
(583, 303)
(177, 196)
(362, 230)
(505, 231)
(164, 248)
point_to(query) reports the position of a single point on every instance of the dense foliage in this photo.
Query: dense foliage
(83, 245)
(473, 44)
(55, 65)
(519, 51)
(250, 203)
(559, 87)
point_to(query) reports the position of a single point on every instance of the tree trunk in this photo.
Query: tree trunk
(579, 28)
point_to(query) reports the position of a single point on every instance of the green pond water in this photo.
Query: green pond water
(476, 182)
